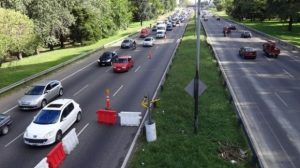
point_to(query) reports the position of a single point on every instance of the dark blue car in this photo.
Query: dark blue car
(169, 27)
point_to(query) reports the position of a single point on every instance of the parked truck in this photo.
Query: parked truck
(270, 49)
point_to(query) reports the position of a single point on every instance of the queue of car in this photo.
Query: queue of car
(56, 116)
(269, 47)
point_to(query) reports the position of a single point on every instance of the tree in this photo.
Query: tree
(121, 13)
(285, 9)
(16, 33)
(52, 19)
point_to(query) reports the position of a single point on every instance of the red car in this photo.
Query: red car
(247, 52)
(122, 64)
(270, 49)
(144, 33)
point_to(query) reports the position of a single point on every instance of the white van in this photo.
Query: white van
(162, 27)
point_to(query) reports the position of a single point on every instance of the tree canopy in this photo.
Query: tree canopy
(286, 10)
(52, 23)
(16, 33)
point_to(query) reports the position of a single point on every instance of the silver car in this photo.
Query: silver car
(127, 43)
(40, 94)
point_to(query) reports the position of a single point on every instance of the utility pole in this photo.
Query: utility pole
(196, 87)
(196, 79)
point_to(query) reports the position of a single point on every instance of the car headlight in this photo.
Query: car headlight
(35, 102)
(108, 60)
(25, 133)
(49, 134)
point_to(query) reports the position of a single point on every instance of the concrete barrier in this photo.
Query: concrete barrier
(130, 118)
(70, 141)
(42, 164)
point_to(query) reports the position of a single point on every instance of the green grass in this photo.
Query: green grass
(14, 71)
(177, 146)
(272, 27)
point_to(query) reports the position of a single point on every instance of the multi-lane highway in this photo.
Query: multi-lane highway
(86, 82)
(267, 91)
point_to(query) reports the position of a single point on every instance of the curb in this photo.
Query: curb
(56, 67)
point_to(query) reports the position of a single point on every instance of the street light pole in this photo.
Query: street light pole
(196, 79)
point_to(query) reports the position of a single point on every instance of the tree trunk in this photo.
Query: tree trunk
(61, 39)
(51, 47)
(290, 23)
(20, 56)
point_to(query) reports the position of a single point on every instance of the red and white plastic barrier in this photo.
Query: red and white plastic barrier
(106, 116)
(42, 164)
(70, 141)
(58, 153)
(56, 156)
(130, 118)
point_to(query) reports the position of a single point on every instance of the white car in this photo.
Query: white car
(49, 125)
(148, 42)
(161, 34)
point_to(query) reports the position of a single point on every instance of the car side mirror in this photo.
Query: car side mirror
(46, 91)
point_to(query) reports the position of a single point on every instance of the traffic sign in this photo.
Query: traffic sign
(190, 88)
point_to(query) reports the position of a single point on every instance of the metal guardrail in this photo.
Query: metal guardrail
(23, 81)
(234, 99)
(282, 43)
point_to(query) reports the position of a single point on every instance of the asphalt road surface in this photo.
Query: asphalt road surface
(268, 94)
(86, 82)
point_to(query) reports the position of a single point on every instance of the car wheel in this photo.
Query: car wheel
(4, 130)
(61, 92)
(78, 118)
(58, 136)
(44, 103)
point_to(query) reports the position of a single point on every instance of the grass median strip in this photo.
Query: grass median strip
(219, 142)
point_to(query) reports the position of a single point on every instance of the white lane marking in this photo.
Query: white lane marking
(77, 71)
(118, 90)
(14, 140)
(83, 129)
(108, 69)
(137, 69)
(10, 109)
(277, 95)
(290, 75)
(80, 90)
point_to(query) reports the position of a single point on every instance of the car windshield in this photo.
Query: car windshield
(147, 39)
(106, 55)
(47, 117)
(121, 60)
(249, 49)
(35, 90)
(2, 117)
(126, 41)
